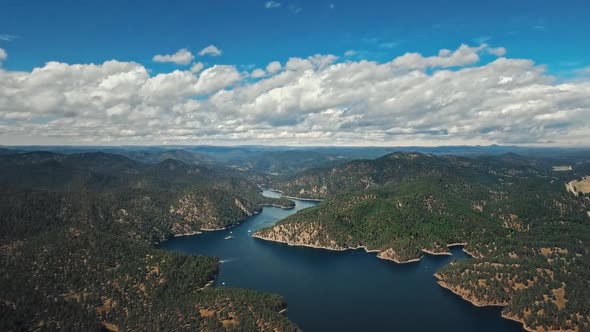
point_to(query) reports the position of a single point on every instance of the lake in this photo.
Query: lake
(344, 291)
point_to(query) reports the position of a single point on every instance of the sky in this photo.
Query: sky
(230, 72)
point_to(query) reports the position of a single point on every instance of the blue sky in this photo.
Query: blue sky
(295, 72)
(554, 33)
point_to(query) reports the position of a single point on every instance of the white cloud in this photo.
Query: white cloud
(295, 10)
(7, 37)
(258, 73)
(271, 4)
(181, 57)
(498, 51)
(210, 50)
(414, 99)
(350, 53)
(274, 67)
(101, 102)
(197, 67)
(298, 64)
(314, 62)
(216, 78)
(3, 55)
(322, 61)
(583, 71)
(463, 56)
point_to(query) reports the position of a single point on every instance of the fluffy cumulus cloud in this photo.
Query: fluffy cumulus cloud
(210, 50)
(464, 55)
(447, 98)
(498, 51)
(258, 73)
(197, 67)
(274, 67)
(181, 57)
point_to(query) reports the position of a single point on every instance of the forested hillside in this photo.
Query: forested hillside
(529, 237)
(77, 236)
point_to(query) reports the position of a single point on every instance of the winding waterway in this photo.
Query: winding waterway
(340, 291)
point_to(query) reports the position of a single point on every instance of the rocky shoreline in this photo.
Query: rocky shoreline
(388, 254)
(214, 229)
(480, 303)
(308, 245)
(437, 253)
(464, 295)
(295, 197)
(188, 233)
(304, 199)
(279, 206)
(209, 284)
(519, 320)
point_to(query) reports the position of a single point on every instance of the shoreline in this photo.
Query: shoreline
(239, 222)
(456, 244)
(481, 304)
(209, 284)
(188, 234)
(304, 199)
(295, 197)
(277, 206)
(212, 281)
(437, 253)
(439, 280)
(393, 259)
(314, 246)
(214, 229)
(471, 254)
(518, 320)
(474, 302)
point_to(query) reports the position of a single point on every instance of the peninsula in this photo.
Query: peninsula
(527, 235)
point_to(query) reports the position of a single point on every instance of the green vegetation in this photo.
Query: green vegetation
(77, 235)
(529, 236)
(77, 251)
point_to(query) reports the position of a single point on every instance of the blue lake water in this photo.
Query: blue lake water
(340, 291)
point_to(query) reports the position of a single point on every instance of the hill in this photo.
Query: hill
(157, 156)
(529, 237)
(77, 236)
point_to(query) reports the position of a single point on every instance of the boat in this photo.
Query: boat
(229, 237)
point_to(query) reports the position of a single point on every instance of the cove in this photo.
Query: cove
(340, 290)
